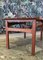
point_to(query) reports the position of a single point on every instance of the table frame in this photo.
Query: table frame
(32, 31)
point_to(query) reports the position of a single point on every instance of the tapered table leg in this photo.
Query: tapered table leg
(41, 33)
(25, 35)
(7, 35)
(33, 36)
(25, 32)
(7, 39)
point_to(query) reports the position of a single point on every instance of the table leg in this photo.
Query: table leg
(7, 35)
(25, 35)
(25, 32)
(7, 39)
(33, 36)
(41, 33)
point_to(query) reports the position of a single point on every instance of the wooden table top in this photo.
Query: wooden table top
(23, 18)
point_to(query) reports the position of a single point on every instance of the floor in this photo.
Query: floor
(20, 48)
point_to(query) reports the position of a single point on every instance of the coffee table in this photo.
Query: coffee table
(24, 30)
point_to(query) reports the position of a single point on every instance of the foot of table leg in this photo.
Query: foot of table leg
(33, 37)
(7, 39)
(41, 36)
(41, 33)
(24, 35)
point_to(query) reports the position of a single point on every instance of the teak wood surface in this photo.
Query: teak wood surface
(24, 30)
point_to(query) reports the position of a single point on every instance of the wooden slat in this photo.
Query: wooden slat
(19, 21)
(23, 18)
(20, 18)
(20, 29)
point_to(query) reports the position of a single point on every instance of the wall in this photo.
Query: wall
(20, 8)
(23, 8)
